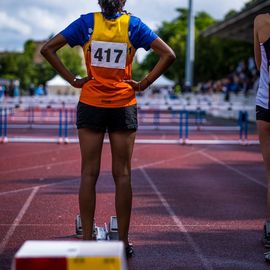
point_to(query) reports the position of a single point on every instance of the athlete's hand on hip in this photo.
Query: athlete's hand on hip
(137, 86)
(78, 83)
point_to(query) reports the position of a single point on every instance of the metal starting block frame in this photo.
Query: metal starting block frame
(267, 256)
(267, 229)
(100, 233)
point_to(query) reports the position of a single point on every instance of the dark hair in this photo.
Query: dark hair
(111, 7)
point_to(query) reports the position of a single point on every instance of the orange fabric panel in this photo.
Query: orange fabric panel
(107, 88)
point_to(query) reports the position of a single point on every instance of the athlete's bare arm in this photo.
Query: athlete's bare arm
(49, 50)
(261, 35)
(166, 58)
(257, 52)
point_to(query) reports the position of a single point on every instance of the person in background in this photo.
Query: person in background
(109, 40)
(39, 90)
(31, 89)
(262, 59)
(16, 88)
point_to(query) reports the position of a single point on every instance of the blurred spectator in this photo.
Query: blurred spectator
(16, 89)
(45, 89)
(31, 89)
(242, 78)
(2, 91)
(39, 91)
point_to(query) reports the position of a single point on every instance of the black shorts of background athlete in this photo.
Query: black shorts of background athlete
(106, 119)
(262, 114)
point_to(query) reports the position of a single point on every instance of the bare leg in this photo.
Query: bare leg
(122, 143)
(264, 136)
(91, 147)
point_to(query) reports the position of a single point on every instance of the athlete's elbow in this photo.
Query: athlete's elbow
(171, 56)
(44, 50)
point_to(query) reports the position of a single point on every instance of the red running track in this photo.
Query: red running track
(195, 207)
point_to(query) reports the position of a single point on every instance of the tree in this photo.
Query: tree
(72, 59)
(22, 66)
(230, 14)
(214, 57)
(174, 33)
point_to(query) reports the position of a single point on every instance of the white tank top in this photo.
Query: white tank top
(262, 97)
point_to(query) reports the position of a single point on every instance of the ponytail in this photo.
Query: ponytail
(111, 7)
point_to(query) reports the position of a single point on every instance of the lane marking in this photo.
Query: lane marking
(17, 220)
(178, 222)
(35, 153)
(210, 226)
(38, 166)
(168, 160)
(40, 186)
(106, 173)
(252, 179)
(233, 263)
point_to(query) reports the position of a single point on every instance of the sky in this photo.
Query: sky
(21, 20)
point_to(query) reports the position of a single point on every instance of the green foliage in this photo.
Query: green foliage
(174, 33)
(22, 66)
(214, 57)
(72, 60)
(230, 14)
(137, 71)
(8, 65)
(251, 3)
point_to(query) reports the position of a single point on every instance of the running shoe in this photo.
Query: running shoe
(129, 250)
(267, 256)
(266, 234)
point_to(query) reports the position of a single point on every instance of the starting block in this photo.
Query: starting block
(267, 256)
(70, 255)
(267, 229)
(100, 233)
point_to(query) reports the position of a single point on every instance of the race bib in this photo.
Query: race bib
(108, 54)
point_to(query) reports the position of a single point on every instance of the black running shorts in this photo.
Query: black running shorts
(262, 114)
(110, 119)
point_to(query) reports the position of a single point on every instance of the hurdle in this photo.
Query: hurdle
(31, 115)
(183, 127)
(3, 125)
(66, 126)
(60, 127)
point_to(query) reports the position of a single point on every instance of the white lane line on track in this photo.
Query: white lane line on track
(177, 221)
(182, 156)
(23, 155)
(227, 263)
(40, 186)
(17, 220)
(135, 168)
(39, 166)
(210, 226)
(250, 178)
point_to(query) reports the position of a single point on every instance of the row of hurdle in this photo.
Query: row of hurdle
(63, 121)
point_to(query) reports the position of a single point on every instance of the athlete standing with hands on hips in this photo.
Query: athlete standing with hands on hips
(262, 58)
(109, 40)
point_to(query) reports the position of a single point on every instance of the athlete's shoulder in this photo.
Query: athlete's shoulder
(80, 30)
(87, 18)
(261, 19)
(135, 20)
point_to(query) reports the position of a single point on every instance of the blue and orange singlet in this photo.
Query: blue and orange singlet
(109, 53)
